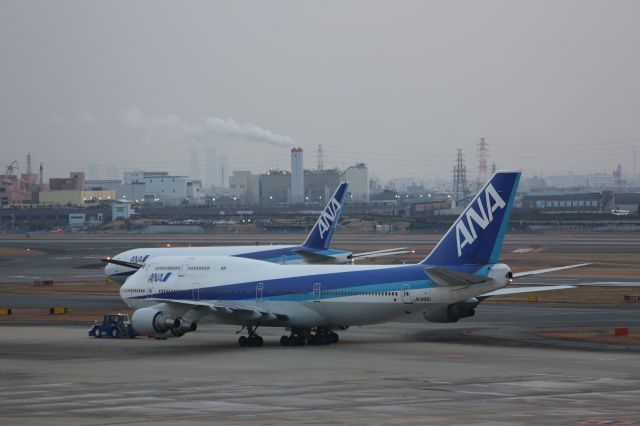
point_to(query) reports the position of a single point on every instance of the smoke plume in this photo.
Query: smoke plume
(203, 128)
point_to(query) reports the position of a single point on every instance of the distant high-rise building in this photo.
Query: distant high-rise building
(93, 171)
(297, 176)
(194, 171)
(223, 168)
(211, 165)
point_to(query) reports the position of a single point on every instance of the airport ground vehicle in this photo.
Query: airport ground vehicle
(116, 326)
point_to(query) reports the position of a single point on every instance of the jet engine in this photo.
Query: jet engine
(453, 312)
(155, 320)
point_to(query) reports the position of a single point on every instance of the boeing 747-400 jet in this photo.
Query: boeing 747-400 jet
(172, 293)
(315, 248)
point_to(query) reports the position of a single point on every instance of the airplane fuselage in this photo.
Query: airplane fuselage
(283, 254)
(233, 289)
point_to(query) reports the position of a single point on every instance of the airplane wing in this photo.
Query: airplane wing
(516, 290)
(315, 257)
(123, 263)
(544, 271)
(244, 310)
(381, 253)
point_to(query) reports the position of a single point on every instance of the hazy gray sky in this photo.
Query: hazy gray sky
(554, 86)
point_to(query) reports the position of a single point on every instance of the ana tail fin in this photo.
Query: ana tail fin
(320, 236)
(476, 236)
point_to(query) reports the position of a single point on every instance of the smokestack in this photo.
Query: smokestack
(40, 181)
(28, 163)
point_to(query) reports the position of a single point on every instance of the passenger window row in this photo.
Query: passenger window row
(199, 268)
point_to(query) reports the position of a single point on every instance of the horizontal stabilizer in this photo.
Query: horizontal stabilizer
(314, 257)
(381, 253)
(448, 278)
(123, 263)
(547, 270)
(517, 290)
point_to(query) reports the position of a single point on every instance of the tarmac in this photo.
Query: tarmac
(488, 369)
(396, 373)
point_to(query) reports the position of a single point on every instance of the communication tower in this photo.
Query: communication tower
(483, 157)
(460, 192)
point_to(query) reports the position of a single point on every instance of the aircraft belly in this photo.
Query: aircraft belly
(360, 313)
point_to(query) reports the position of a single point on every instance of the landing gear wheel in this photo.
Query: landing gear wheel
(334, 337)
(243, 341)
(284, 341)
(259, 341)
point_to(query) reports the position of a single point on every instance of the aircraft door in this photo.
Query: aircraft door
(406, 293)
(259, 291)
(184, 266)
(149, 287)
(195, 292)
(316, 292)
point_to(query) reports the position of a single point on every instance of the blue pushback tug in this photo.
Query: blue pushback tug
(116, 326)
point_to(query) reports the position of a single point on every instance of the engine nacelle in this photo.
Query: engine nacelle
(152, 320)
(501, 274)
(453, 312)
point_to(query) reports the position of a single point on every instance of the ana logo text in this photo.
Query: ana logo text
(139, 258)
(328, 216)
(483, 217)
(158, 277)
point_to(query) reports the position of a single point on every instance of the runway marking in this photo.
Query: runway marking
(61, 258)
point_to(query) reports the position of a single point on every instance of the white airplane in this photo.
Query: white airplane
(172, 293)
(315, 248)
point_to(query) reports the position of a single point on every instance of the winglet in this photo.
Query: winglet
(320, 236)
(476, 236)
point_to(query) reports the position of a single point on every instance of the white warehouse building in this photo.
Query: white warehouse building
(159, 187)
(358, 178)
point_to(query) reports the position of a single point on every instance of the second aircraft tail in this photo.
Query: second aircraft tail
(320, 236)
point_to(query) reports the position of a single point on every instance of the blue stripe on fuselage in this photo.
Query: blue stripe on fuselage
(300, 288)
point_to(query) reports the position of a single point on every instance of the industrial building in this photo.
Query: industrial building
(275, 186)
(245, 187)
(297, 176)
(77, 198)
(155, 187)
(358, 178)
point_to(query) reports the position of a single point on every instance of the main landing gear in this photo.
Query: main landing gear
(252, 339)
(317, 336)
